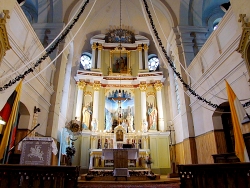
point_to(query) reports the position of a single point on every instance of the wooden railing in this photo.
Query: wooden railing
(38, 176)
(220, 175)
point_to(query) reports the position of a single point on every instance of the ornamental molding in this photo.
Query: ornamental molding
(97, 86)
(87, 93)
(158, 85)
(244, 45)
(143, 86)
(4, 41)
(151, 94)
(81, 84)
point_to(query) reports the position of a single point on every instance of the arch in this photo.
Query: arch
(222, 121)
(24, 117)
(30, 9)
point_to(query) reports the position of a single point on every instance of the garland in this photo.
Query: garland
(62, 37)
(173, 67)
(51, 49)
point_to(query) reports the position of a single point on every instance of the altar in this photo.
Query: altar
(108, 154)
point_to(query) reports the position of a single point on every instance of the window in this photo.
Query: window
(85, 62)
(153, 63)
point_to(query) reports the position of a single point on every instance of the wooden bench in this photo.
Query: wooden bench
(219, 175)
(25, 176)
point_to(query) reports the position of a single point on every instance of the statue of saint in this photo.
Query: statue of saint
(144, 126)
(108, 121)
(86, 116)
(130, 120)
(94, 125)
(152, 117)
(125, 125)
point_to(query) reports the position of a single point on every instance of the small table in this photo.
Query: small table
(121, 172)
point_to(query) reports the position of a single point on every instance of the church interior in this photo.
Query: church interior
(148, 77)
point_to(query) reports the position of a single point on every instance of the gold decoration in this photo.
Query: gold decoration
(139, 47)
(100, 47)
(158, 85)
(145, 47)
(143, 86)
(94, 46)
(150, 94)
(81, 84)
(97, 86)
(87, 93)
(4, 41)
(244, 45)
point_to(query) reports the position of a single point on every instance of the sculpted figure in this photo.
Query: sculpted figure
(86, 116)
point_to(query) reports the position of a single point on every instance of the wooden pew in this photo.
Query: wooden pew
(39, 176)
(219, 175)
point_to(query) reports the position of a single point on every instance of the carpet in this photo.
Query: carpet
(145, 185)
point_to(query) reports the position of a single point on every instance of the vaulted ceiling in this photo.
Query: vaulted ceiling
(100, 15)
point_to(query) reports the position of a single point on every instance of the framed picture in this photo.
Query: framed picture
(119, 135)
(120, 62)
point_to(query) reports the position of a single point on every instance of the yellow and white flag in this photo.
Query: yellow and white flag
(237, 114)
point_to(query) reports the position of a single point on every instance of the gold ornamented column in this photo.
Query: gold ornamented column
(244, 45)
(145, 47)
(99, 58)
(140, 56)
(4, 41)
(158, 86)
(93, 55)
(80, 85)
(143, 88)
(96, 87)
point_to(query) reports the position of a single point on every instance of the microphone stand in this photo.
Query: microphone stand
(23, 138)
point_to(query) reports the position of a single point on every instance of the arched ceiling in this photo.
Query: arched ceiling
(100, 15)
(106, 13)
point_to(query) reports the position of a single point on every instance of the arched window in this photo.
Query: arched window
(153, 63)
(85, 61)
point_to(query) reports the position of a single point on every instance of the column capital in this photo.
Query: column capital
(158, 85)
(97, 86)
(145, 47)
(143, 86)
(81, 84)
(94, 46)
(100, 47)
(139, 47)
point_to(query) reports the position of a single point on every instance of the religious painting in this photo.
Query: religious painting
(120, 62)
(152, 114)
(119, 136)
(119, 109)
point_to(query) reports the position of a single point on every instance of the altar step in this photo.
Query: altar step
(86, 177)
(144, 182)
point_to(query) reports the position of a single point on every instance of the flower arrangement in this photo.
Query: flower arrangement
(70, 152)
(148, 160)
